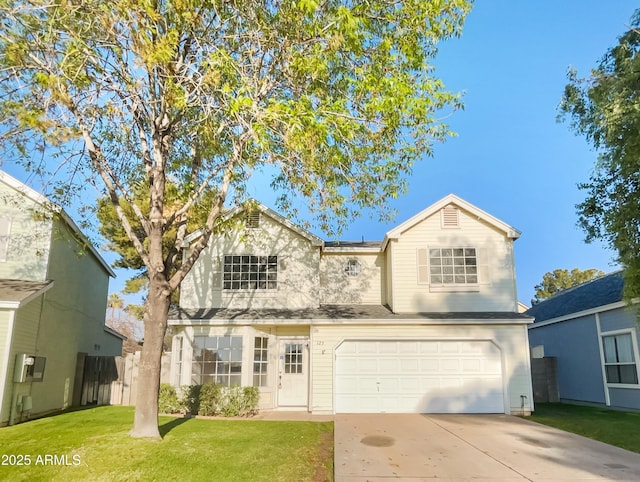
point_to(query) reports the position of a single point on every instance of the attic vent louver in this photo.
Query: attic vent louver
(252, 219)
(450, 217)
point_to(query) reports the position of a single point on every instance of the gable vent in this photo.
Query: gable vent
(450, 217)
(252, 219)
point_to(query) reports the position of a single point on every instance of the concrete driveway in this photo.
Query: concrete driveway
(377, 447)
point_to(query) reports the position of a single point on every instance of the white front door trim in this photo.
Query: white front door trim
(293, 371)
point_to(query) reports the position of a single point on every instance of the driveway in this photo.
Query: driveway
(377, 447)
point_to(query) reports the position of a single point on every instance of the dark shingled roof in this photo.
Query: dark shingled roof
(592, 294)
(334, 312)
(352, 244)
(14, 290)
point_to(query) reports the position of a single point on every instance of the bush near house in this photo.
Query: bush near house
(209, 399)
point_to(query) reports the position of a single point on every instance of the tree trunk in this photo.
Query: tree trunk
(155, 325)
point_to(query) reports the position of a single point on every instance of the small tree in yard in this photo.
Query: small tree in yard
(336, 99)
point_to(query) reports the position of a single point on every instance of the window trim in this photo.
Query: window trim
(215, 363)
(263, 362)
(353, 273)
(634, 346)
(270, 265)
(454, 287)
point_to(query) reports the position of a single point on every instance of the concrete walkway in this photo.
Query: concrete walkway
(379, 447)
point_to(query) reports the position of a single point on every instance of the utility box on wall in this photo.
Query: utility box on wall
(29, 368)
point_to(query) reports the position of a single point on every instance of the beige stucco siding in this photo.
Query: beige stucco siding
(337, 287)
(298, 266)
(496, 288)
(29, 238)
(511, 340)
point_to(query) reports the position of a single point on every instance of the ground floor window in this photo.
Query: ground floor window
(260, 361)
(619, 360)
(178, 344)
(217, 359)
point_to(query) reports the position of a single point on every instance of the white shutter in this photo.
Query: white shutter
(484, 274)
(423, 266)
(216, 268)
(5, 234)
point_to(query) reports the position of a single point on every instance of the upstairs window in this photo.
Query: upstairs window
(250, 273)
(353, 267)
(453, 266)
(619, 361)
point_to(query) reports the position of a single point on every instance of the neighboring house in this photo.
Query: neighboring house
(53, 296)
(593, 335)
(423, 321)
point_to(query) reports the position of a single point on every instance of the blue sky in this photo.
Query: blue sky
(511, 158)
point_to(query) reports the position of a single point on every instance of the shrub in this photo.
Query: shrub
(239, 401)
(190, 400)
(210, 399)
(168, 399)
(251, 399)
(232, 402)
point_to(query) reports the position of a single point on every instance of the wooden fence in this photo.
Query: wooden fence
(110, 380)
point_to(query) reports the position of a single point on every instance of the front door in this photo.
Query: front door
(293, 376)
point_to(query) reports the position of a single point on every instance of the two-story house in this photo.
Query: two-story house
(53, 296)
(423, 321)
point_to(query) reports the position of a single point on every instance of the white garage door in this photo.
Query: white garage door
(418, 377)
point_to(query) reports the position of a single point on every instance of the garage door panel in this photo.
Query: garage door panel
(425, 377)
(410, 365)
(450, 365)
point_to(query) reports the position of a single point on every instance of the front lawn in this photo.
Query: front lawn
(94, 444)
(609, 426)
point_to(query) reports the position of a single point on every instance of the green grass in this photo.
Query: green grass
(191, 449)
(610, 426)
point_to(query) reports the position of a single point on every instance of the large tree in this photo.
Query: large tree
(336, 98)
(605, 107)
(558, 280)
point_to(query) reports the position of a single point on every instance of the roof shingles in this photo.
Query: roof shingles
(592, 294)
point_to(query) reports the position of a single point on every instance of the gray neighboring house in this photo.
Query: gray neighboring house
(594, 336)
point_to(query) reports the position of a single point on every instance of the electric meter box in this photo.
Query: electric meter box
(21, 370)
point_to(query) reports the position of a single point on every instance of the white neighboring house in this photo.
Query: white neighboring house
(424, 321)
(53, 300)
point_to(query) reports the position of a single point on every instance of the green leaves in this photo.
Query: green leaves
(605, 108)
(558, 280)
(338, 98)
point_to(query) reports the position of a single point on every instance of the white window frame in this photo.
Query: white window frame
(216, 363)
(634, 344)
(261, 273)
(454, 286)
(178, 350)
(353, 267)
(263, 361)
